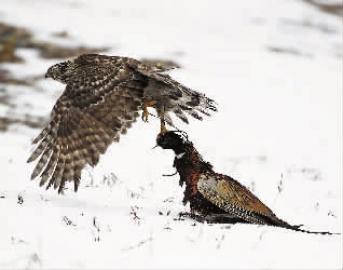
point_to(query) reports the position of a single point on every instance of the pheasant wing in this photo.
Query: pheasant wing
(232, 197)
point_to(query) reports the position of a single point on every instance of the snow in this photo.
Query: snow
(276, 74)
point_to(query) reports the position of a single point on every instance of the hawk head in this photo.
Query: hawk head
(61, 72)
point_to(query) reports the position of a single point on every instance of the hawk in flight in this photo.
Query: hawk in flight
(102, 99)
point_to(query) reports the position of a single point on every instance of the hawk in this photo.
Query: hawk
(216, 197)
(102, 99)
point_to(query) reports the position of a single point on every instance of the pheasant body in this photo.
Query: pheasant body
(210, 193)
(216, 197)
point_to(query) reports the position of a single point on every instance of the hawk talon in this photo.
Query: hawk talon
(163, 122)
(163, 127)
(145, 115)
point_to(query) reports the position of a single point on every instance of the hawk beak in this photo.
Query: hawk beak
(48, 74)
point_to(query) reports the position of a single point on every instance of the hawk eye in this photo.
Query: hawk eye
(63, 67)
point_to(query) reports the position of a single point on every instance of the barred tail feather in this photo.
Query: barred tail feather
(193, 103)
(180, 114)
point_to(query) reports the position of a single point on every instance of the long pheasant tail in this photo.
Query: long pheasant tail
(296, 228)
(283, 224)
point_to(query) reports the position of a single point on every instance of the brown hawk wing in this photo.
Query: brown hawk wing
(94, 110)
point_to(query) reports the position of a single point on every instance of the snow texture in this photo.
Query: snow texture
(276, 74)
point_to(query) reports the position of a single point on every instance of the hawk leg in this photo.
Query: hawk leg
(146, 104)
(163, 126)
(163, 122)
(161, 113)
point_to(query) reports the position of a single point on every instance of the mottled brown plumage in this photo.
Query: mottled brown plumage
(102, 99)
(216, 197)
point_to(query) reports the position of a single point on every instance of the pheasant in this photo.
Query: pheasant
(215, 197)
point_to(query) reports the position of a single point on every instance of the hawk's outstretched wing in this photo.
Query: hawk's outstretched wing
(96, 107)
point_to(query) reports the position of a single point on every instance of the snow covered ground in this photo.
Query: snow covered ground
(274, 67)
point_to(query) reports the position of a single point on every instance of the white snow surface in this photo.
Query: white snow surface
(278, 131)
